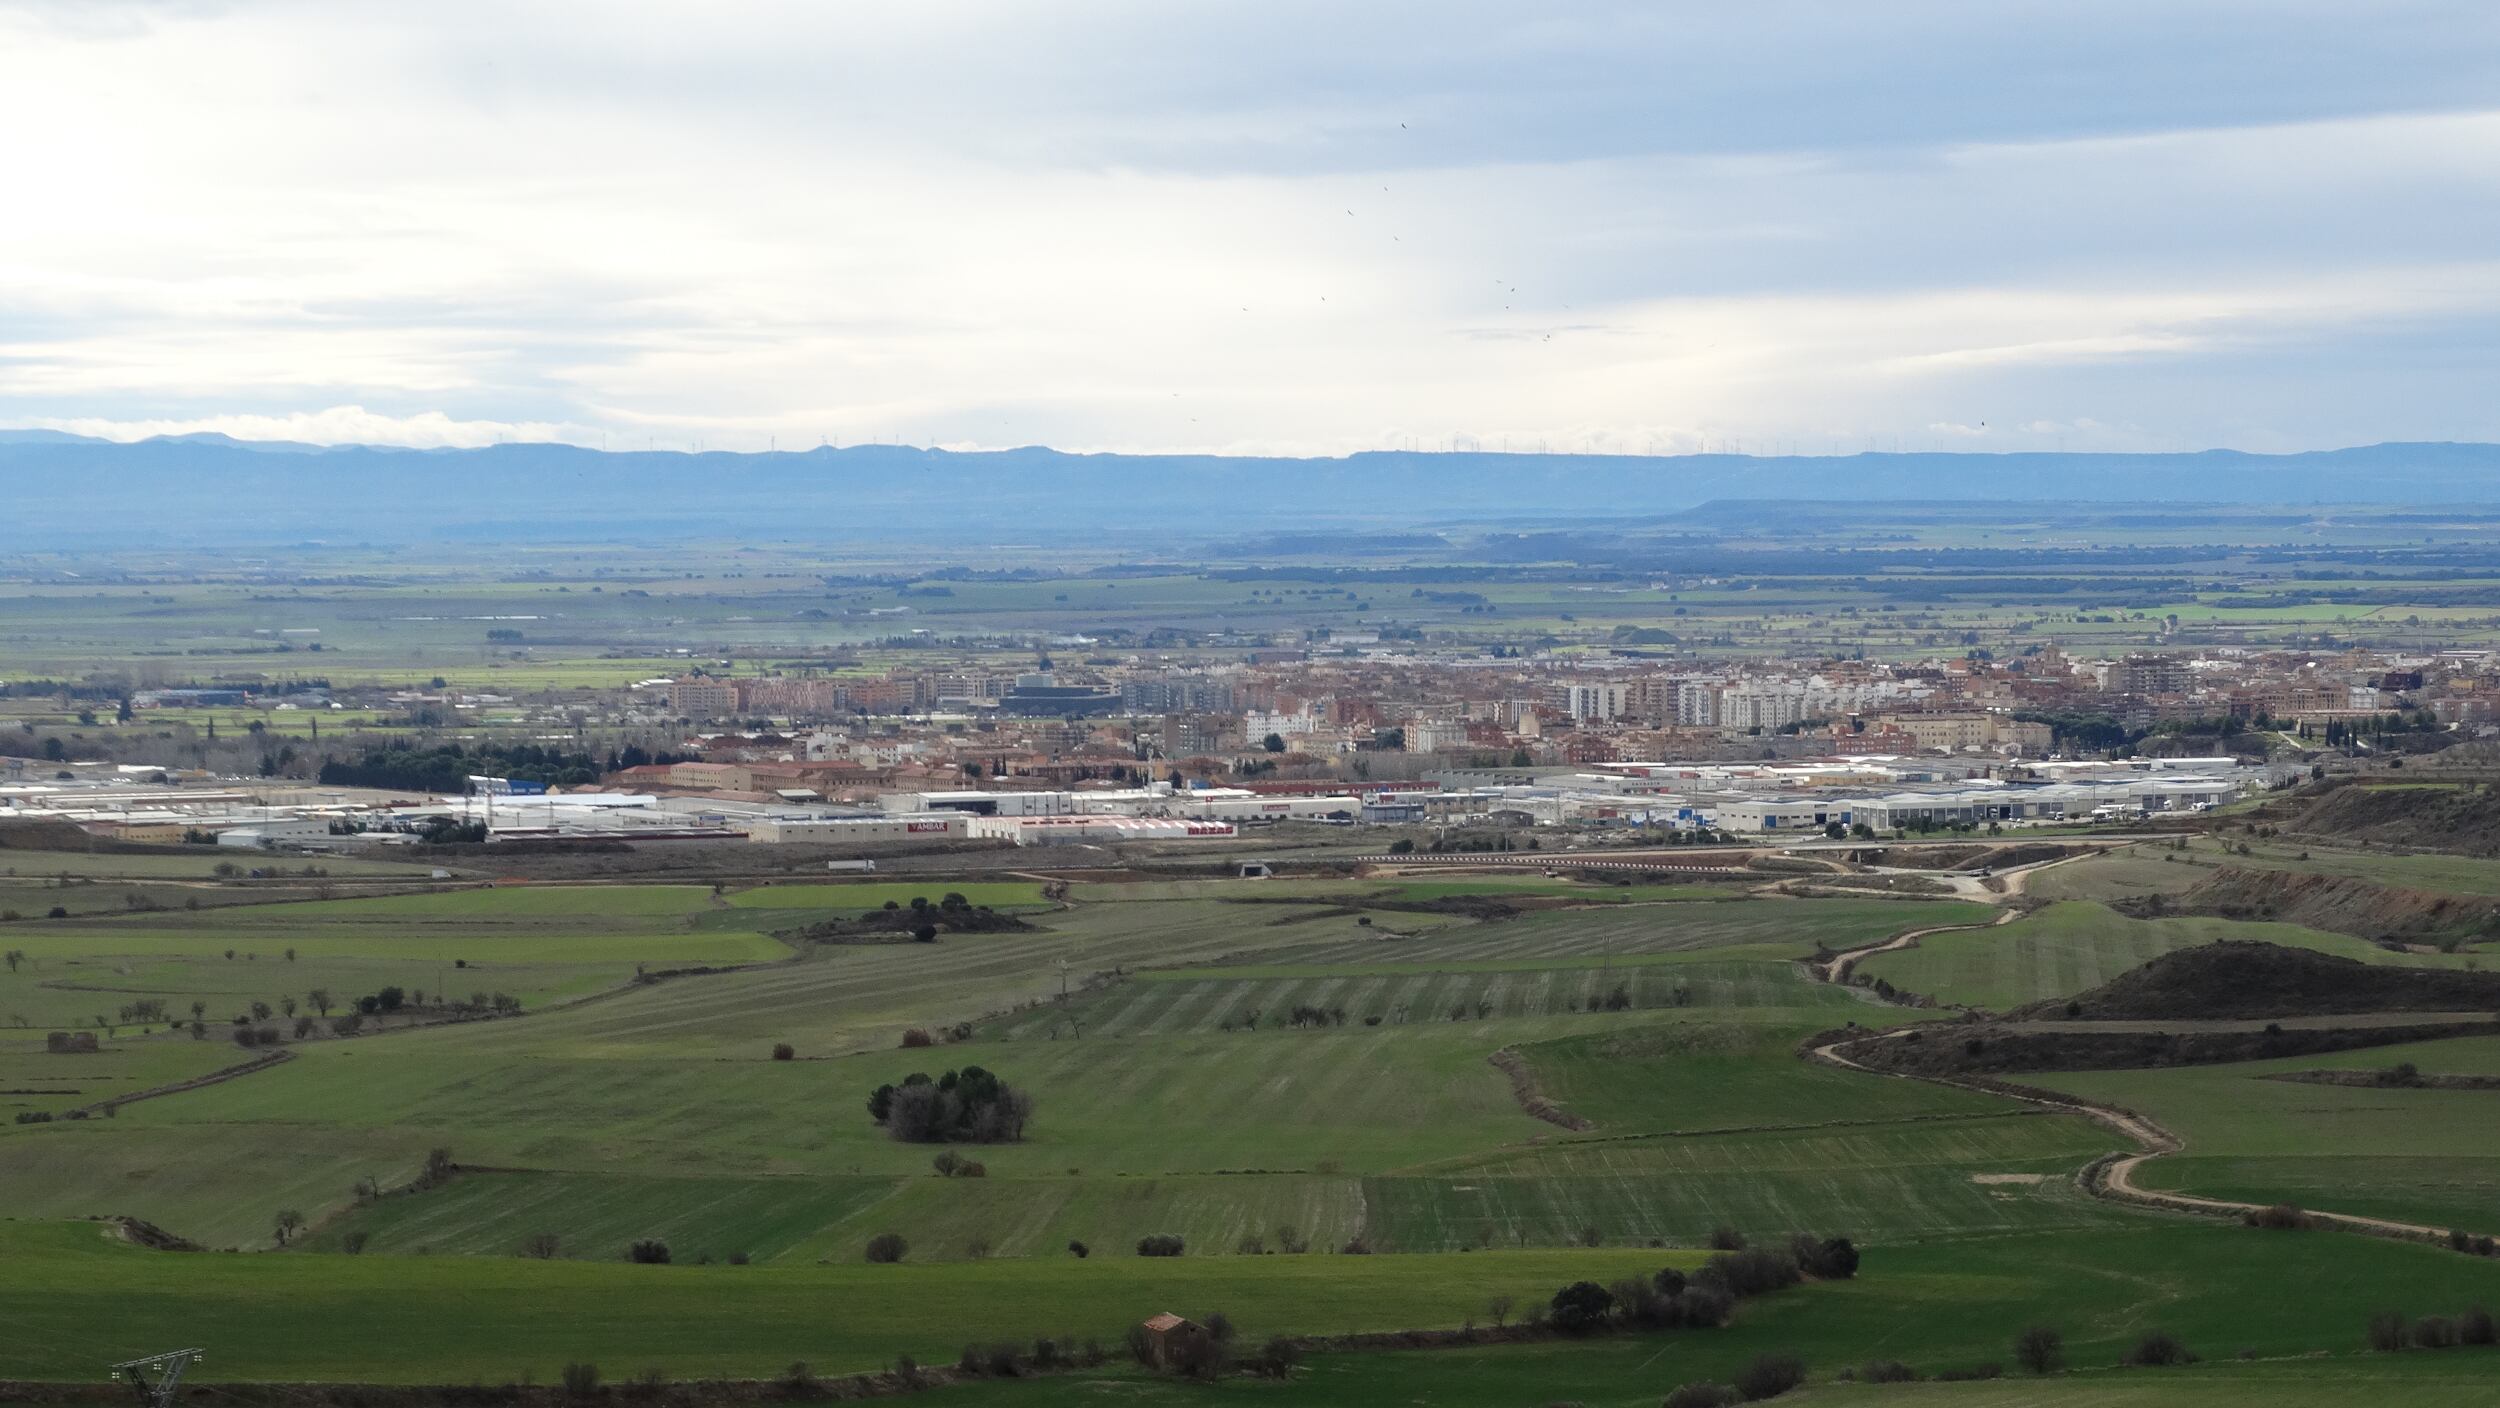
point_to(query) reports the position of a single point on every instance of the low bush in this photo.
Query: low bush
(1726, 1239)
(2387, 1331)
(1887, 1371)
(2158, 1349)
(650, 1251)
(1079, 1250)
(1698, 1395)
(784, 1051)
(1769, 1376)
(1160, 1244)
(1640, 1305)
(887, 1248)
(1824, 1259)
(2282, 1217)
(2434, 1332)
(1705, 1307)
(1276, 1359)
(1753, 1272)
(2475, 1327)
(1989, 1370)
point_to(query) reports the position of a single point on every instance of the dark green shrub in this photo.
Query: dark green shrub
(2157, 1350)
(1769, 1376)
(1581, 1307)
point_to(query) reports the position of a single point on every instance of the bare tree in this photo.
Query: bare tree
(289, 1223)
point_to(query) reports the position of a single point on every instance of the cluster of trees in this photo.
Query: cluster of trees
(2390, 1331)
(254, 1027)
(2378, 726)
(1706, 1298)
(448, 767)
(969, 1106)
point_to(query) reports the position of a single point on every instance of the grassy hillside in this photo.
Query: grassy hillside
(2071, 947)
(2424, 1155)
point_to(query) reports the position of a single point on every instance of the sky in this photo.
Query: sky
(1282, 227)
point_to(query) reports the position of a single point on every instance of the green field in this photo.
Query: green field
(541, 944)
(1934, 1305)
(2074, 946)
(866, 895)
(655, 1110)
(1784, 928)
(2428, 1155)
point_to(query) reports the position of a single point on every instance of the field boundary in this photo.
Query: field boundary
(200, 1082)
(1524, 1089)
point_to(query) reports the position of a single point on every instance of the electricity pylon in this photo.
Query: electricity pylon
(167, 1369)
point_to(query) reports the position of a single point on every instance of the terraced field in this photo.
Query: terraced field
(2074, 946)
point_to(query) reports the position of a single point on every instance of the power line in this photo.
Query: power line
(168, 1369)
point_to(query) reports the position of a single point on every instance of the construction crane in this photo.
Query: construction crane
(156, 1376)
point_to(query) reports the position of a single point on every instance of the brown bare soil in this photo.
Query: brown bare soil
(2460, 820)
(2343, 904)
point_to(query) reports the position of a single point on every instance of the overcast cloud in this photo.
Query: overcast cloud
(1277, 227)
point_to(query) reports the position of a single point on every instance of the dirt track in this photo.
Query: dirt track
(2112, 1178)
(1841, 966)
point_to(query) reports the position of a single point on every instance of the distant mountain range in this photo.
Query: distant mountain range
(206, 490)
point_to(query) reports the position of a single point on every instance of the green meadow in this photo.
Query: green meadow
(1298, 1071)
(2074, 946)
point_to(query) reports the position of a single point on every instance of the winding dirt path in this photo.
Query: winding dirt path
(1842, 965)
(2112, 1176)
